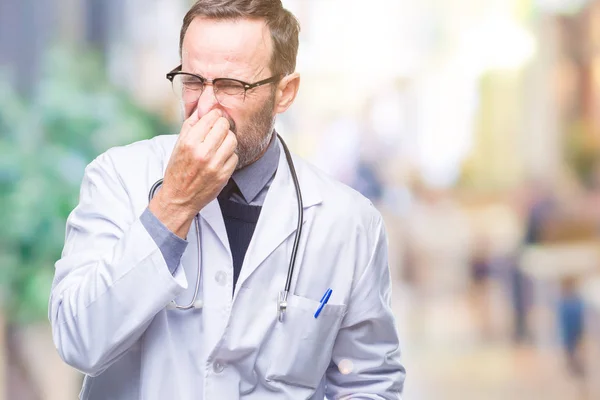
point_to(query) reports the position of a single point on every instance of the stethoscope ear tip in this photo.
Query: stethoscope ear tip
(198, 304)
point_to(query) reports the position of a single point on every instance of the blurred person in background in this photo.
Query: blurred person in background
(570, 310)
(368, 182)
(570, 306)
(173, 295)
(539, 208)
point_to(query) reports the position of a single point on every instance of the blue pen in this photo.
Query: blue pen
(324, 301)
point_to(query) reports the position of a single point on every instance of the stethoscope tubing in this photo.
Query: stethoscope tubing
(282, 302)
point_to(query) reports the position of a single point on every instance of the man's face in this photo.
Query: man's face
(239, 49)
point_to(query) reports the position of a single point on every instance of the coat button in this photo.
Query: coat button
(218, 367)
(221, 278)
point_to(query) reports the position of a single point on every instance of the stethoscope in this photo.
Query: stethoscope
(196, 303)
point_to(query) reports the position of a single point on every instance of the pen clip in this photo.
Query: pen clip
(323, 301)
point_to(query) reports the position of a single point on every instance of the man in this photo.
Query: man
(222, 246)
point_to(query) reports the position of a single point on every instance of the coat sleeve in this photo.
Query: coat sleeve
(366, 355)
(111, 279)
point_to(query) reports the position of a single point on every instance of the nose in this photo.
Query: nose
(207, 100)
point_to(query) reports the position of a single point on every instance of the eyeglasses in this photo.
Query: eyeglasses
(229, 92)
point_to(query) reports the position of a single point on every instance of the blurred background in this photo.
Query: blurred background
(473, 126)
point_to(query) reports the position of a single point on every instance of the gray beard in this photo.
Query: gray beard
(250, 156)
(256, 136)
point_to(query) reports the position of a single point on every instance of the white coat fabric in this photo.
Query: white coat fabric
(111, 288)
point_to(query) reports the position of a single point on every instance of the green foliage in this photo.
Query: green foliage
(582, 149)
(45, 144)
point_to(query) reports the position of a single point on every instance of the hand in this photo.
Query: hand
(201, 163)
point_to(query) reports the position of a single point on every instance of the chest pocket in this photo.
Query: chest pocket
(303, 344)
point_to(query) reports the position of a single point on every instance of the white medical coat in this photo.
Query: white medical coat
(111, 288)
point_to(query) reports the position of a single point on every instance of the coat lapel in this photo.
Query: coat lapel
(213, 216)
(279, 216)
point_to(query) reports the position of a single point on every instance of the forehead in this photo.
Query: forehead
(240, 46)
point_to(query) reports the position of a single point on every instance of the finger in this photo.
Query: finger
(227, 148)
(199, 131)
(230, 165)
(190, 122)
(217, 134)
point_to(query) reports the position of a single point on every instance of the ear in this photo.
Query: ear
(286, 92)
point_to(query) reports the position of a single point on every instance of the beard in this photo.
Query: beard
(254, 137)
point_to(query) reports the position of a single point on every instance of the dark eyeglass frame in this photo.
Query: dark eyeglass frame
(247, 86)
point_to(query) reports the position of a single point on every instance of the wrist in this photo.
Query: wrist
(176, 217)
